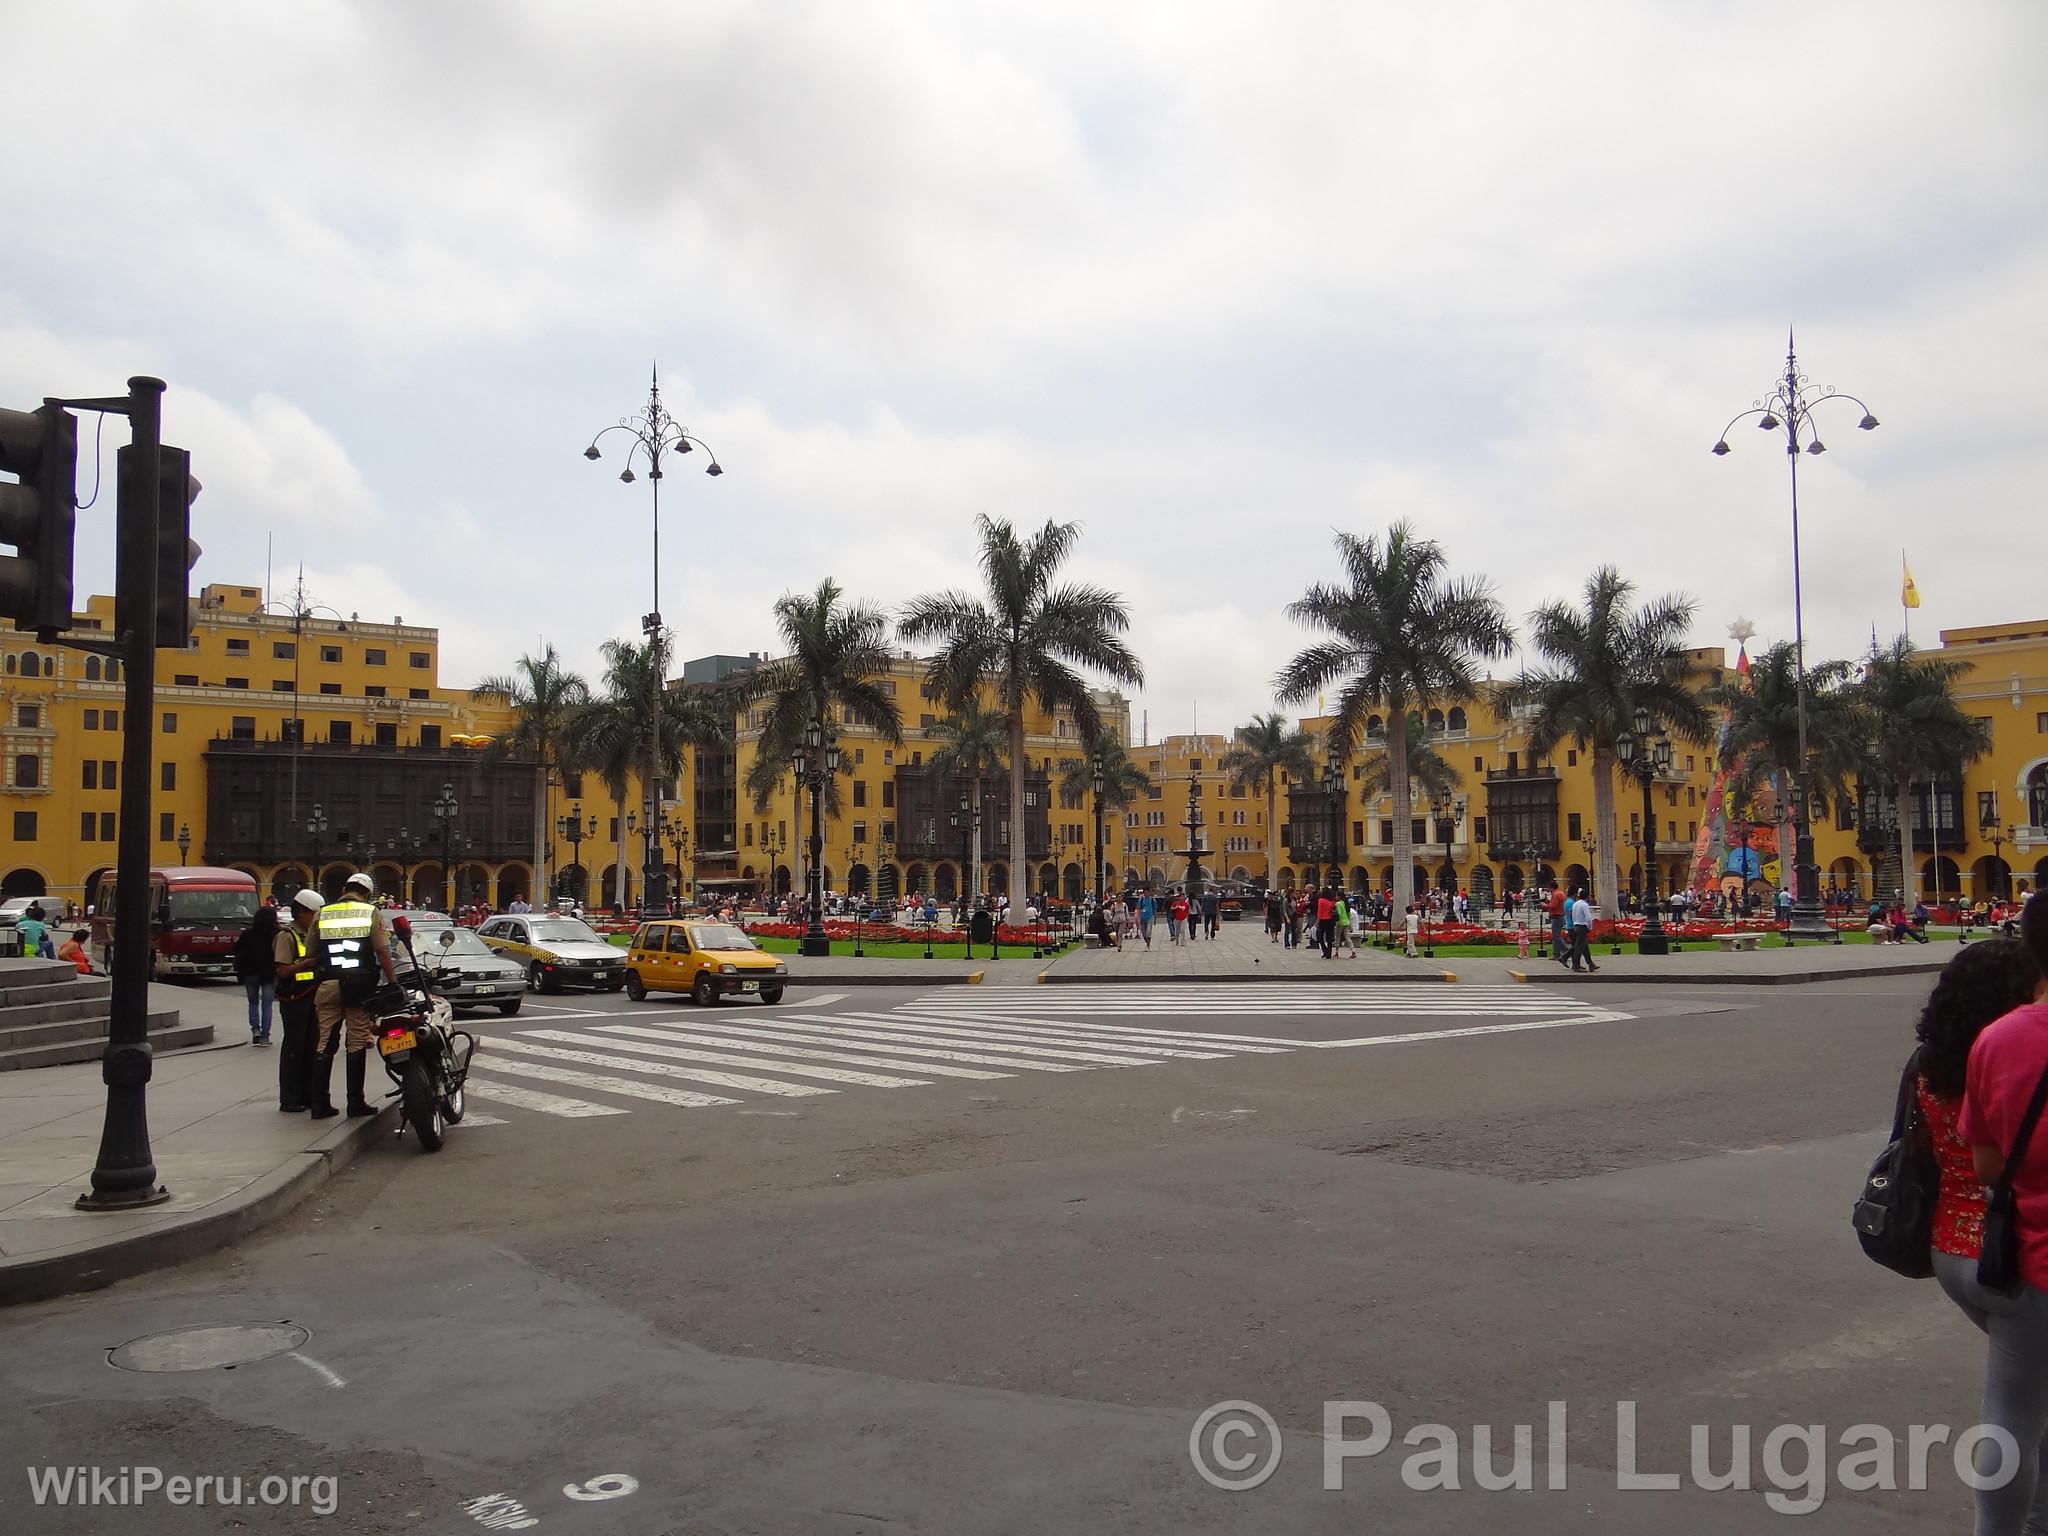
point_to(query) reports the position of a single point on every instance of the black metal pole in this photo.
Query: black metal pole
(124, 1174)
(814, 941)
(1652, 940)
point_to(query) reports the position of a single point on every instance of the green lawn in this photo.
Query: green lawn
(1703, 946)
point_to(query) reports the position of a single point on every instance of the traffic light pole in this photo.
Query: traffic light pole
(124, 1177)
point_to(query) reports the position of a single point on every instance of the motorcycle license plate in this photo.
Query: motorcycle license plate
(391, 1045)
(750, 986)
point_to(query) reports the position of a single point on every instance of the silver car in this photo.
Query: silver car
(468, 972)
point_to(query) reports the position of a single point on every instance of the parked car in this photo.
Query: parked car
(467, 971)
(557, 951)
(705, 959)
(14, 907)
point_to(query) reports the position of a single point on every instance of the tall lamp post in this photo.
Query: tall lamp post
(816, 761)
(1333, 786)
(184, 840)
(1789, 408)
(572, 831)
(316, 828)
(1645, 757)
(655, 435)
(1449, 810)
(678, 833)
(1991, 828)
(447, 810)
(1097, 783)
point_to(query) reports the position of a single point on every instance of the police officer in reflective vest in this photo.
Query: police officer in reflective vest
(297, 980)
(354, 952)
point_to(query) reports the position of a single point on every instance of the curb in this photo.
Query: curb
(1238, 978)
(1721, 979)
(88, 1266)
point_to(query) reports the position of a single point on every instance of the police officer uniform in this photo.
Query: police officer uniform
(354, 957)
(295, 989)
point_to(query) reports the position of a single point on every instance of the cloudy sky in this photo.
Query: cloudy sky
(1213, 279)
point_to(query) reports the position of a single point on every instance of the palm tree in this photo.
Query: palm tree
(836, 659)
(542, 695)
(1122, 780)
(1024, 641)
(1403, 636)
(1762, 742)
(974, 739)
(1261, 753)
(608, 734)
(1606, 660)
(1428, 769)
(1917, 730)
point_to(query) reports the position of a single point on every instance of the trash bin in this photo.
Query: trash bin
(981, 928)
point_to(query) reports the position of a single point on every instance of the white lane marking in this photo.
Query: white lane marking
(1124, 1034)
(722, 1036)
(813, 1033)
(974, 1031)
(822, 999)
(659, 1092)
(726, 1059)
(545, 1103)
(883, 1026)
(652, 1068)
(326, 1375)
(1516, 1027)
(471, 1119)
(556, 1011)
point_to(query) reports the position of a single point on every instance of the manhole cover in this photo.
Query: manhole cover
(207, 1349)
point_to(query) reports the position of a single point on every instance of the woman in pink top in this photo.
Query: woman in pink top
(2008, 1061)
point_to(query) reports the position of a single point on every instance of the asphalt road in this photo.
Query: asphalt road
(999, 1300)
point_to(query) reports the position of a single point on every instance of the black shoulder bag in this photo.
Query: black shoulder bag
(1894, 1220)
(1998, 1261)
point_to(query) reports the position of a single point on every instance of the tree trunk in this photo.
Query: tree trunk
(974, 853)
(1018, 855)
(537, 896)
(619, 884)
(1397, 776)
(1607, 829)
(1909, 881)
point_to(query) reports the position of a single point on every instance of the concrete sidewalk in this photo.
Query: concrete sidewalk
(1703, 964)
(1239, 952)
(229, 1159)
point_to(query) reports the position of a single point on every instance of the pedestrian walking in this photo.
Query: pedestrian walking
(297, 981)
(1291, 920)
(1414, 922)
(1326, 920)
(1178, 916)
(1212, 911)
(1276, 916)
(1554, 909)
(1148, 908)
(256, 970)
(1582, 931)
(2004, 1084)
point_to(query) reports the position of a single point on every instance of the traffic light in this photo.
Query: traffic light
(37, 517)
(176, 554)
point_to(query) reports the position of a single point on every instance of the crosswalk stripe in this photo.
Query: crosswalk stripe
(473, 1118)
(973, 1033)
(545, 1103)
(656, 1068)
(886, 1027)
(821, 1035)
(661, 1093)
(726, 1059)
(719, 1035)
(1257, 1045)
(1001, 1032)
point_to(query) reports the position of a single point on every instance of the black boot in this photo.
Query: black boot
(357, 1106)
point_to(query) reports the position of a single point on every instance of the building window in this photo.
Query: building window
(373, 691)
(167, 776)
(1571, 760)
(283, 650)
(2041, 722)
(242, 728)
(282, 685)
(88, 826)
(859, 756)
(170, 725)
(291, 730)
(888, 758)
(107, 773)
(339, 732)
(111, 719)
(1418, 831)
(373, 658)
(860, 792)
(1987, 807)
(1572, 827)
(238, 682)
(926, 722)
(28, 716)
(1358, 832)
(1478, 829)
(572, 785)
(91, 778)
(330, 687)
(860, 833)
(430, 736)
(420, 661)
(24, 826)
(387, 734)
(106, 826)
(1386, 833)
(28, 771)
(330, 653)
(185, 680)
(165, 826)
(238, 647)
(888, 794)
(416, 693)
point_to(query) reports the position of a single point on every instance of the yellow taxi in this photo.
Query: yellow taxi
(706, 959)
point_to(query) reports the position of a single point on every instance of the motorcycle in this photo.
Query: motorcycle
(426, 1056)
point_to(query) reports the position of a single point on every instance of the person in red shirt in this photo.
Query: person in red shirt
(1553, 908)
(2007, 1063)
(1326, 919)
(1178, 912)
(73, 949)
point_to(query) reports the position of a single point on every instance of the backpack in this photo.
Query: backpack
(1894, 1220)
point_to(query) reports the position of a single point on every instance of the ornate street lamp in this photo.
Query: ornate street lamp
(1096, 781)
(1449, 810)
(655, 436)
(1991, 828)
(1333, 787)
(1789, 408)
(184, 840)
(572, 830)
(1646, 756)
(447, 810)
(316, 828)
(814, 763)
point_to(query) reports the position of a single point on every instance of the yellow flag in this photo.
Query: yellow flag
(1909, 595)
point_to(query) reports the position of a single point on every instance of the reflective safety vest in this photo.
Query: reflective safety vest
(344, 933)
(305, 976)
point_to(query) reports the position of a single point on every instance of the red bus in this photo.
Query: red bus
(195, 916)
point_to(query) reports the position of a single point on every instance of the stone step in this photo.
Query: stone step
(166, 1033)
(22, 993)
(70, 1010)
